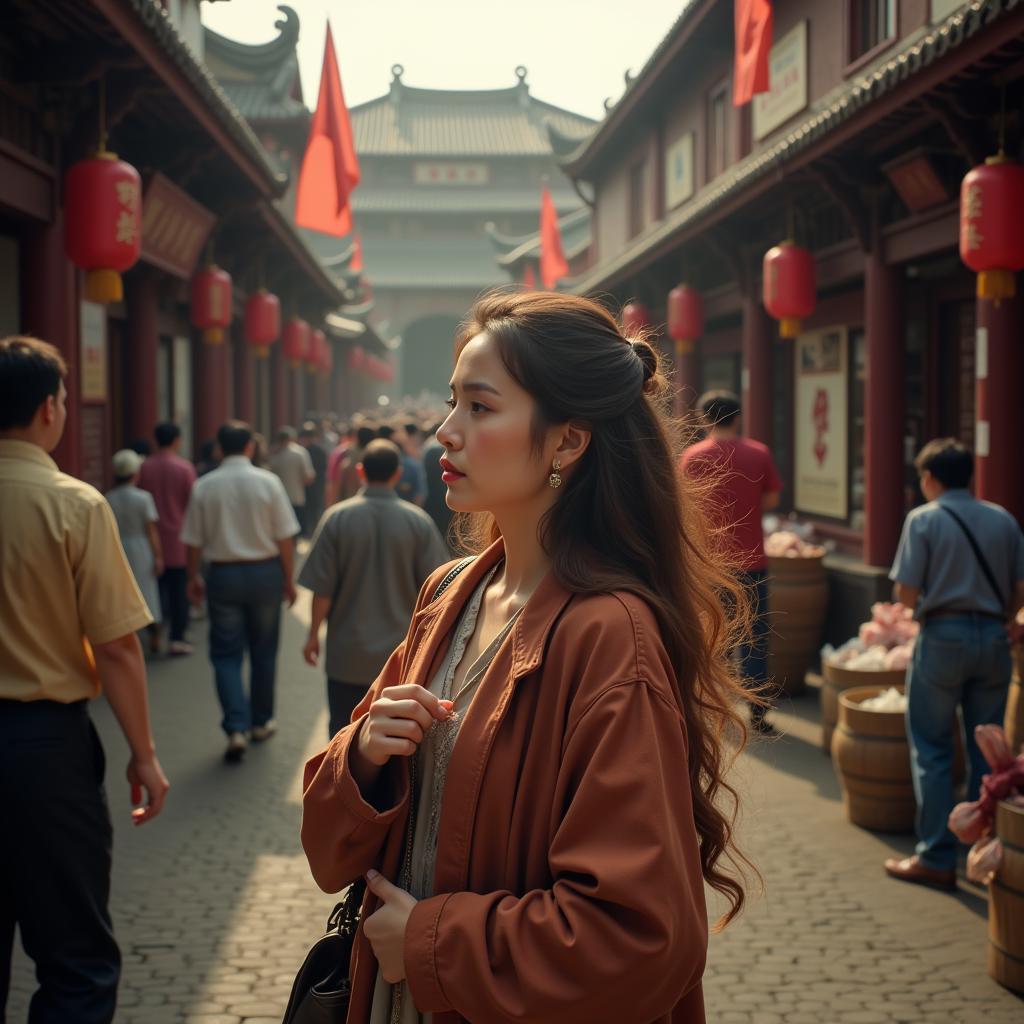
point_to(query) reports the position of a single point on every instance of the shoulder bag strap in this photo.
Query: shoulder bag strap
(449, 578)
(982, 561)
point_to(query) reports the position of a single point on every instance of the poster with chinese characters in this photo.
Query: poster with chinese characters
(787, 69)
(679, 171)
(821, 423)
(93, 371)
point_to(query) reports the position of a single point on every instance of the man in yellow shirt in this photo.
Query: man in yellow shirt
(69, 609)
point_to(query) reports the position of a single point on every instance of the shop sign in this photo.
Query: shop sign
(436, 173)
(821, 418)
(679, 171)
(93, 347)
(787, 72)
(174, 227)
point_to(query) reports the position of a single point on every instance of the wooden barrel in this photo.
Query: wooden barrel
(797, 598)
(835, 679)
(872, 759)
(1014, 721)
(1006, 902)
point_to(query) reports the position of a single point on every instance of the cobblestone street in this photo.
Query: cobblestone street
(214, 906)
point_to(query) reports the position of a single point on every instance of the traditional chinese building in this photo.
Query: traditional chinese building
(876, 112)
(132, 69)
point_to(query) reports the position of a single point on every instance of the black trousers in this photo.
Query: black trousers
(55, 862)
(342, 699)
(174, 600)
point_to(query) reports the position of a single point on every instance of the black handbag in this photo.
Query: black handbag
(321, 990)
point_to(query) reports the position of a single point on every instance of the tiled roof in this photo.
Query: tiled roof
(443, 122)
(482, 200)
(575, 229)
(262, 80)
(852, 99)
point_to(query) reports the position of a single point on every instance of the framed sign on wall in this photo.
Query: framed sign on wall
(679, 179)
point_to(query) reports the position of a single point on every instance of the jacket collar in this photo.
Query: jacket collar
(26, 451)
(530, 633)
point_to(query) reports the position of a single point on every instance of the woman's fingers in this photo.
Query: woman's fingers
(413, 691)
(411, 709)
(404, 728)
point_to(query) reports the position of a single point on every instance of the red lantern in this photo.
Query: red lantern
(635, 318)
(103, 222)
(685, 316)
(211, 303)
(317, 354)
(295, 341)
(262, 321)
(991, 223)
(789, 287)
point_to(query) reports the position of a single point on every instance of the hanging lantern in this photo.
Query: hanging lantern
(326, 354)
(295, 343)
(211, 303)
(262, 321)
(635, 318)
(103, 222)
(316, 355)
(789, 287)
(991, 220)
(685, 316)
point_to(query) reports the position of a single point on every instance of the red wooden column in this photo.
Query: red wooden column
(211, 383)
(686, 381)
(245, 387)
(50, 312)
(883, 408)
(141, 348)
(757, 369)
(298, 382)
(999, 431)
(279, 388)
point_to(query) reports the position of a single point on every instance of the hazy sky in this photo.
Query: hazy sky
(576, 51)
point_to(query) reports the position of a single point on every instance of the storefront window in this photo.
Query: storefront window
(858, 374)
(872, 22)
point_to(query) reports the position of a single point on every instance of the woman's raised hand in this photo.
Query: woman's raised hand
(398, 720)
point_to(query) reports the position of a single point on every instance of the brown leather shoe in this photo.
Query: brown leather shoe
(910, 869)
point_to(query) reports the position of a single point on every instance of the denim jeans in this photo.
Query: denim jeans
(244, 601)
(753, 653)
(958, 661)
(174, 600)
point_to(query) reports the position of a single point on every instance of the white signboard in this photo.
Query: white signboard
(93, 371)
(821, 423)
(436, 173)
(679, 183)
(788, 77)
(181, 389)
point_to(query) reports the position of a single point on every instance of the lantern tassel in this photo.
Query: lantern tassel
(789, 327)
(103, 286)
(260, 351)
(684, 346)
(213, 335)
(997, 284)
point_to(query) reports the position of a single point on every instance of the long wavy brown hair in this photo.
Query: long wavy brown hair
(625, 520)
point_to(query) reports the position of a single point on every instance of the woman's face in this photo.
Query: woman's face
(489, 460)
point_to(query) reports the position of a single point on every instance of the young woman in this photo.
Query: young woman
(530, 786)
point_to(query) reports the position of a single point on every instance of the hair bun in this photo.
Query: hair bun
(648, 357)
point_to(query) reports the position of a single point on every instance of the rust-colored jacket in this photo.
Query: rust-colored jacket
(568, 881)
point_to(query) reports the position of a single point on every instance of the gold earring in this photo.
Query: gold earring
(555, 480)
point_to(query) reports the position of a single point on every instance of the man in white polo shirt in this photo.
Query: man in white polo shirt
(240, 519)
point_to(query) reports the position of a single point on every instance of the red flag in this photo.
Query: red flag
(552, 260)
(330, 170)
(753, 36)
(529, 278)
(356, 263)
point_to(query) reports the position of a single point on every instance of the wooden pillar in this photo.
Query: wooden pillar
(211, 379)
(245, 389)
(298, 394)
(686, 381)
(883, 408)
(141, 349)
(999, 430)
(49, 311)
(279, 382)
(757, 370)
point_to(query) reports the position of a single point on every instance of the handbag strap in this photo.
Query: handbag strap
(450, 576)
(982, 561)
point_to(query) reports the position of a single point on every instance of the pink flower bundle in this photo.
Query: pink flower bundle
(891, 625)
(971, 822)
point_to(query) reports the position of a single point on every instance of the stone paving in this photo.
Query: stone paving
(214, 906)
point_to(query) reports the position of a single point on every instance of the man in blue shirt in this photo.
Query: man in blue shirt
(960, 565)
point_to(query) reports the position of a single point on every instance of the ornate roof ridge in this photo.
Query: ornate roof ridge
(257, 56)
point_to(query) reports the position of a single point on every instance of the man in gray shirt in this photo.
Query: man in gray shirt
(960, 565)
(368, 560)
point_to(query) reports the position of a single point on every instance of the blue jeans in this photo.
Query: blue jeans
(753, 653)
(244, 601)
(961, 661)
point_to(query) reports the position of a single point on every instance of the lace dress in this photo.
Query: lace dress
(430, 772)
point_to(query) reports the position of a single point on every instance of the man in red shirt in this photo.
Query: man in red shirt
(169, 478)
(745, 484)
